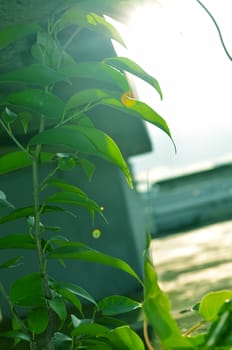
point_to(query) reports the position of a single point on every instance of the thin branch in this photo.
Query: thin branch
(217, 27)
(13, 138)
(146, 336)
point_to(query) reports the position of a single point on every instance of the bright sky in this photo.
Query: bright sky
(177, 42)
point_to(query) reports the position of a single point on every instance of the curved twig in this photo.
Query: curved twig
(217, 27)
(146, 336)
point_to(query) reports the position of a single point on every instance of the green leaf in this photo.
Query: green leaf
(138, 109)
(4, 202)
(11, 262)
(28, 291)
(123, 103)
(212, 302)
(75, 199)
(17, 241)
(125, 64)
(37, 320)
(86, 96)
(124, 338)
(19, 159)
(49, 51)
(89, 330)
(26, 212)
(87, 166)
(97, 71)
(9, 116)
(59, 183)
(35, 74)
(87, 140)
(69, 296)
(117, 304)
(219, 332)
(60, 339)
(25, 118)
(58, 306)
(76, 16)
(73, 288)
(15, 335)
(79, 251)
(66, 161)
(15, 32)
(72, 195)
(157, 310)
(38, 101)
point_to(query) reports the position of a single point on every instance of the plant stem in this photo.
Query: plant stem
(217, 27)
(194, 328)
(146, 336)
(36, 187)
(13, 138)
(37, 234)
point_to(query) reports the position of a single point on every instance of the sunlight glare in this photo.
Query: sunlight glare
(176, 42)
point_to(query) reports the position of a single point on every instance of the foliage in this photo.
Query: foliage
(59, 131)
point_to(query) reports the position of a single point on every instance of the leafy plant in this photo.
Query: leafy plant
(47, 313)
(59, 131)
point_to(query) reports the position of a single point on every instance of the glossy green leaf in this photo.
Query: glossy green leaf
(15, 32)
(219, 332)
(69, 296)
(15, 335)
(25, 119)
(38, 101)
(75, 199)
(59, 307)
(9, 116)
(125, 64)
(123, 103)
(4, 202)
(138, 109)
(65, 163)
(117, 304)
(60, 339)
(26, 212)
(89, 330)
(157, 310)
(17, 241)
(212, 302)
(91, 96)
(28, 291)
(61, 184)
(79, 251)
(97, 71)
(37, 320)
(76, 16)
(19, 159)
(34, 74)
(11, 262)
(124, 338)
(87, 140)
(49, 51)
(87, 166)
(76, 290)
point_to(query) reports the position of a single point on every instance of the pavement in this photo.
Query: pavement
(193, 263)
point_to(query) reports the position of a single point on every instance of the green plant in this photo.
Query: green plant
(59, 131)
(46, 313)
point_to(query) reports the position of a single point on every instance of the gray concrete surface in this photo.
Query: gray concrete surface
(193, 263)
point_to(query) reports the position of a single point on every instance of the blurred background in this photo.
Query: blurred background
(187, 194)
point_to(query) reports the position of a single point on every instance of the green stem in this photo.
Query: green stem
(68, 42)
(194, 328)
(217, 27)
(37, 234)
(13, 138)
